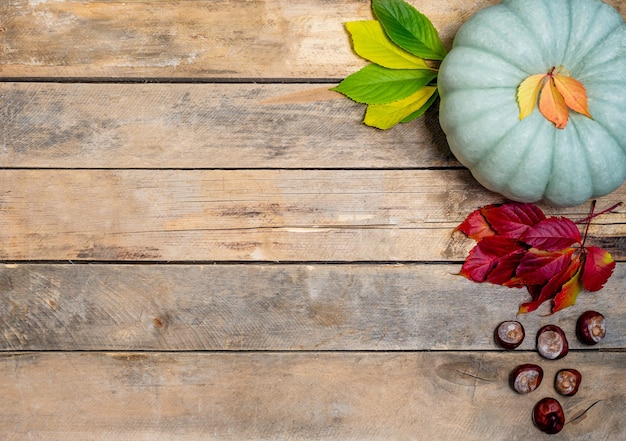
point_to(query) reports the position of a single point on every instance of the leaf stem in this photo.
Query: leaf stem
(594, 215)
(593, 207)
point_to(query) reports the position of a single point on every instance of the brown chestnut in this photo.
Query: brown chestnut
(526, 378)
(509, 334)
(567, 381)
(551, 342)
(590, 327)
(548, 415)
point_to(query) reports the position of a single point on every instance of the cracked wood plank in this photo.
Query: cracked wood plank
(251, 215)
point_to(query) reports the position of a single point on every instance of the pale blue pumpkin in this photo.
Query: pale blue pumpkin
(530, 159)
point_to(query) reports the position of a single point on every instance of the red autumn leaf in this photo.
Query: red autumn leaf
(513, 219)
(553, 286)
(476, 227)
(493, 260)
(518, 246)
(537, 267)
(552, 234)
(598, 268)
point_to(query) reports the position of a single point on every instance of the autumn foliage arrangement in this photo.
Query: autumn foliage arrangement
(565, 58)
(518, 246)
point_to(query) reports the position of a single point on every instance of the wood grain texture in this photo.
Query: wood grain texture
(274, 307)
(199, 39)
(250, 215)
(283, 396)
(252, 232)
(204, 126)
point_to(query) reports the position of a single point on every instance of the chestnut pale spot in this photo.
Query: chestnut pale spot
(526, 378)
(510, 334)
(567, 381)
(551, 342)
(591, 327)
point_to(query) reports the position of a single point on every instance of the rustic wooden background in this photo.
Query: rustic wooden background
(200, 241)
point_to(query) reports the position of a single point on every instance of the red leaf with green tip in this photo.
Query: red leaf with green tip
(552, 234)
(569, 292)
(598, 268)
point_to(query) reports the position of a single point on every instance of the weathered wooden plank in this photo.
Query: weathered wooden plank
(262, 215)
(201, 39)
(208, 39)
(281, 396)
(203, 125)
(274, 307)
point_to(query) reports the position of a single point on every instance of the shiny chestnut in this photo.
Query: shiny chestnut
(526, 378)
(552, 342)
(548, 416)
(509, 334)
(590, 327)
(567, 381)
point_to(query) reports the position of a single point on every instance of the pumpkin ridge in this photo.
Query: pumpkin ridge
(584, 60)
(609, 133)
(580, 56)
(589, 67)
(529, 30)
(608, 182)
(457, 133)
(554, 175)
(489, 150)
(594, 46)
(570, 28)
(504, 143)
(531, 159)
(543, 49)
(509, 189)
(500, 57)
(585, 152)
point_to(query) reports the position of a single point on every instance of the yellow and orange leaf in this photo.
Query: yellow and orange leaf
(573, 93)
(569, 292)
(552, 105)
(528, 93)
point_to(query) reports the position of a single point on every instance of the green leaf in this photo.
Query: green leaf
(370, 42)
(409, 29)
(422, 109)
(375, 84)
(385, 116)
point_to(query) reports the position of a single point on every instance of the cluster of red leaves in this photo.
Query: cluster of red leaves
(518, 246)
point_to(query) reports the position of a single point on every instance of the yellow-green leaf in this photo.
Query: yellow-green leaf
(528, 93)
(573, 93)
(385, 116)
(552, 105)
(370, 42)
